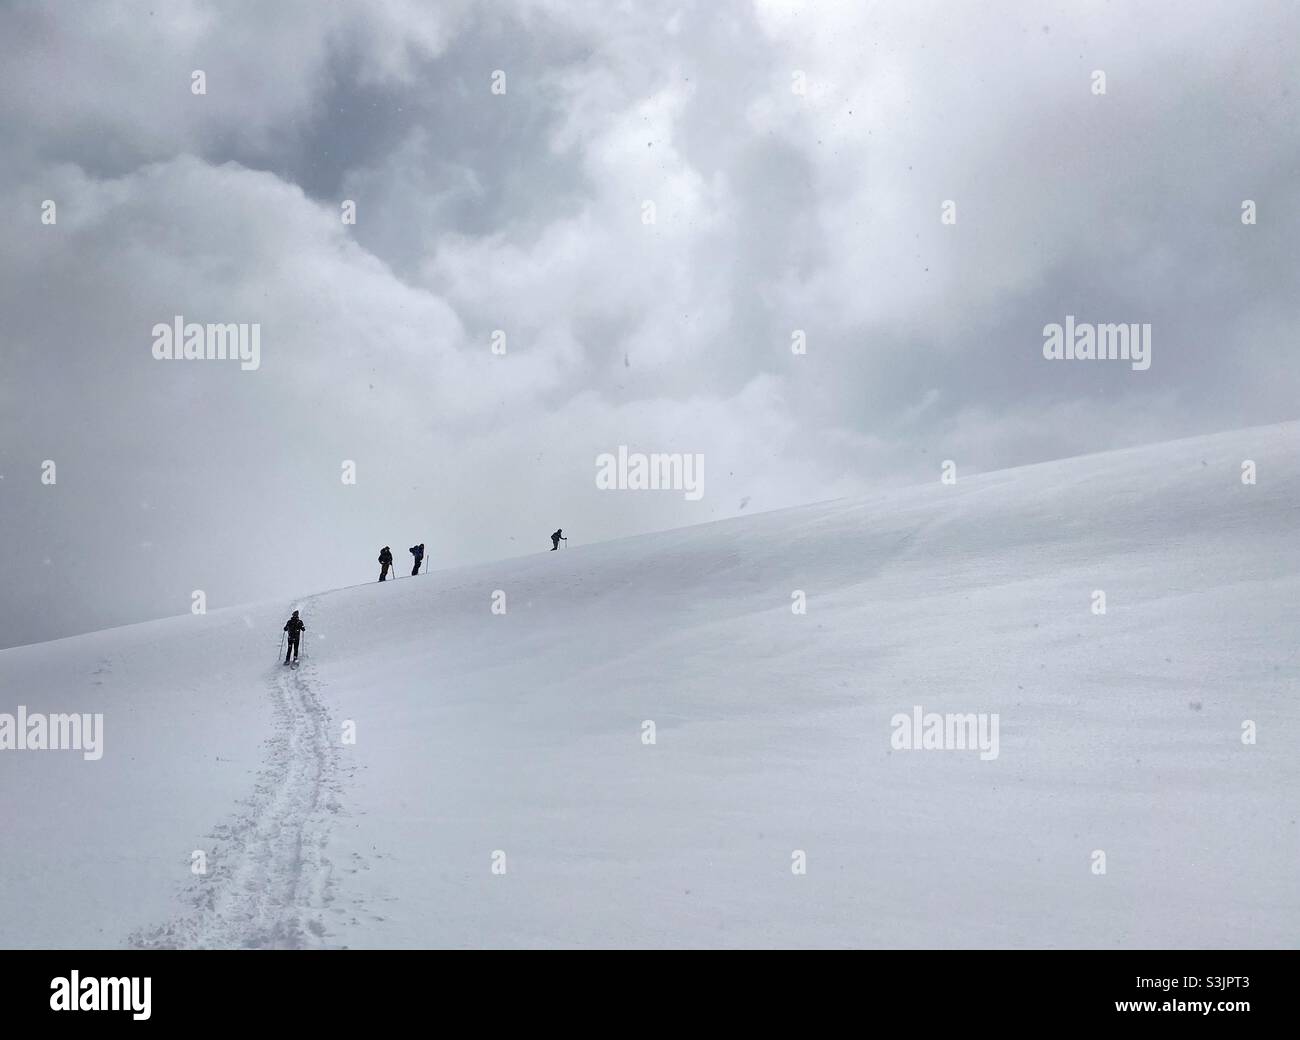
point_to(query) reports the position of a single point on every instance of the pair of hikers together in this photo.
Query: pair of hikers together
(386, 560)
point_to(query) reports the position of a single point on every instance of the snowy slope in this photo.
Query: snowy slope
(478, 732)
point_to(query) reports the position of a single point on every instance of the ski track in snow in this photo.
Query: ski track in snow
(269, 881)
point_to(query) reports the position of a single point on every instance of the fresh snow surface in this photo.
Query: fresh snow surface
(479, 733)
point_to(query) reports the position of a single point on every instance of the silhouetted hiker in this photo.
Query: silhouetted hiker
(557, 538)
(418, 552)
(295, 628)
(385, 561)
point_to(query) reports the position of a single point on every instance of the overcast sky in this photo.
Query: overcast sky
(775, 210)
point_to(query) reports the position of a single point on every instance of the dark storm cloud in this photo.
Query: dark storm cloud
(776, 211)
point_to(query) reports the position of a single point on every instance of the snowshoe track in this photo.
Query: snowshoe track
(268, 880)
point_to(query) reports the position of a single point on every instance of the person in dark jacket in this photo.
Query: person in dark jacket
(557, 538)
(418, 552)
(385, 561)
(295, 628)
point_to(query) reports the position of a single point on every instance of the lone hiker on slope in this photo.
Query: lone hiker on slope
(295, 628)
(557, 538)
(385, 561)
(418, 552)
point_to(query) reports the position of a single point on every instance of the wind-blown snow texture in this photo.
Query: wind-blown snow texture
(522, 733)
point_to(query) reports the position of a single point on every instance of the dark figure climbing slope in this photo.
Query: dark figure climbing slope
(295, 628)
(557, 538)
(385, 561)
(418, 552)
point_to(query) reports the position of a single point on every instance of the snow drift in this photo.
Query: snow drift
(502, 789)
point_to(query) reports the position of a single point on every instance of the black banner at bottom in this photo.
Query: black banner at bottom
(152, 988)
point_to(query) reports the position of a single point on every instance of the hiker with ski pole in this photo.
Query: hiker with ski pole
(295, 628)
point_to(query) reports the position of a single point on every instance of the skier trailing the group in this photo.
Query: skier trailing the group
(557, 538)
(295, 628)
(385, 561)
(418, 552)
